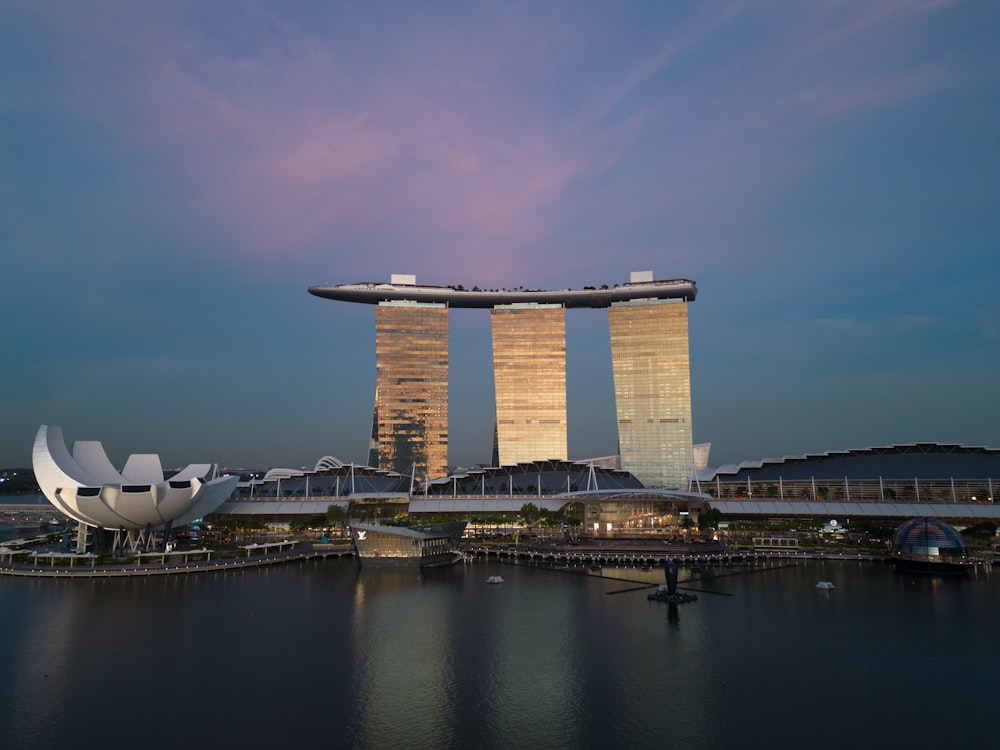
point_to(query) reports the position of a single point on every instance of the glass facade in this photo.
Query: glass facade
(652, 374)
(529, 372)
(396, 543)
(411, 396)
(930, 537)
(637, 516)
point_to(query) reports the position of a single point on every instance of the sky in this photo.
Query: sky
(174, 175)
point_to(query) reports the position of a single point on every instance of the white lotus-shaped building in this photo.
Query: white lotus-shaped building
(87, 487)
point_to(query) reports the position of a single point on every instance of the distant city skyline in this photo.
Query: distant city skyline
(173, 177)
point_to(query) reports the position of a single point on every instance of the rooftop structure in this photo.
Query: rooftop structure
(404, 288)
(530, 479)
(913, 472)
(330, 479)
(899, 461)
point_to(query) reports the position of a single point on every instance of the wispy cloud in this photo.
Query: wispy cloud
(179, 172)
(288, 151)
(292, 144)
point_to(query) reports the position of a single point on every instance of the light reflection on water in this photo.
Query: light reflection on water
(327, 653)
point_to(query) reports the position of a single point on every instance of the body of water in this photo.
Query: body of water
(16, 523)
(24, 500)
(328, 654)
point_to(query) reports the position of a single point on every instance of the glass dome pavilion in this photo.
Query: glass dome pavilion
(929, 537)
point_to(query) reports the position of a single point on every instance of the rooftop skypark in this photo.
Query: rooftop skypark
(404, 288)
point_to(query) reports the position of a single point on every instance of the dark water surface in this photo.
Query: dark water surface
(324, 654)
(25, 500)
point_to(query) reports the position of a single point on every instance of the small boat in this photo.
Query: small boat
(825, 585)
(494, 579)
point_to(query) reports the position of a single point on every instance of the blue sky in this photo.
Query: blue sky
(174, 175)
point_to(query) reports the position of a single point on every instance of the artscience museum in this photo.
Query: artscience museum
(126, 509)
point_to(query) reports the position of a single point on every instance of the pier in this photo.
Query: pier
(681, 555)
(67, 565)
(89, 569)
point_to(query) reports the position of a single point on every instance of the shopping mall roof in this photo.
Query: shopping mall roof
(901, 461)
(782, 509)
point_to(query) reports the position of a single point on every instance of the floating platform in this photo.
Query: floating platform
(664, 594)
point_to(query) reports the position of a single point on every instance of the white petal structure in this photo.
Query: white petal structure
(87, 487)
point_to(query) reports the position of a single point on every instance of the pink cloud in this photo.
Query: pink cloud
(291, 147)
(287, 152)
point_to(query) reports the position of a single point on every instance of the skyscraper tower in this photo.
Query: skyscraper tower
(411, 390)
(652, 374)
(529, 374)
(649, 349)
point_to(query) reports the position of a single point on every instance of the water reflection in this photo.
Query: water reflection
(329, 653)
(400, 660)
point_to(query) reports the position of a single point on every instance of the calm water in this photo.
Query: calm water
(24, 500)
(327, 655)
(26, 526)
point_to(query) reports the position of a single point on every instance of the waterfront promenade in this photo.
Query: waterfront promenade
(608, 553)
(45, 566)
(53, 565)
(626, 555)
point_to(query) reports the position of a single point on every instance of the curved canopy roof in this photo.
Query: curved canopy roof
(904, 461)
(548, 476)
(782, 509)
